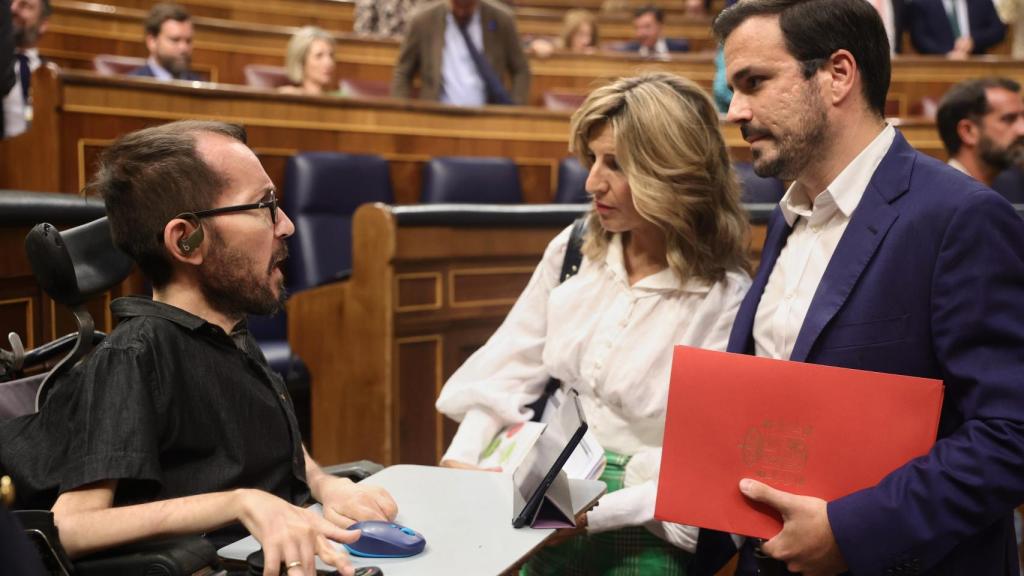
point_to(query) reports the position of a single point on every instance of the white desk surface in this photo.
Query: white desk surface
(465, 516)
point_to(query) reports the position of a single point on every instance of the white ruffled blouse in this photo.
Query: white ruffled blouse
(613, 343)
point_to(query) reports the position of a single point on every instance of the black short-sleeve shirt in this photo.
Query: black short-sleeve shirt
(169, 405)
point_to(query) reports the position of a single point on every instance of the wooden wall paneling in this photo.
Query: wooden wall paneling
(39, 170)
(19, 314)
(418, 372)
(97, 109)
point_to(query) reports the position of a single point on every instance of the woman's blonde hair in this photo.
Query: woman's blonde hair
(298, 48)
(571, 22)
(671, 150)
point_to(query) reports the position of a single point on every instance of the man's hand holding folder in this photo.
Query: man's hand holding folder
(806, 543)
(751, 443)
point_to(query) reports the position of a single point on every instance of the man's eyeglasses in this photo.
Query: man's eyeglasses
(268, 204)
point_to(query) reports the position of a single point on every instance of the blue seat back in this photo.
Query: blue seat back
(572, 182)
(471, 180)
(322, 192)
(756, 189)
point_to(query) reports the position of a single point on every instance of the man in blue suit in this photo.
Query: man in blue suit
(169, 41)
(647, 24)
(956, 28)
(878, 258)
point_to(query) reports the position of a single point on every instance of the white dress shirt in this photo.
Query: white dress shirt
(958, 165)
(613, 343)
(817, 229)
(18, 111)
(461, 84)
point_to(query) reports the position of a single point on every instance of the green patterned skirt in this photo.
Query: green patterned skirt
(631, 551)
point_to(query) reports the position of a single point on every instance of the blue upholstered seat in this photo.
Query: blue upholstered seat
(321, 192)
(572, 181)
(758, 190)
(471, 180)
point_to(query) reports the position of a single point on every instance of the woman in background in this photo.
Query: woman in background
(664, 263)
(309, 63)
(579, 35)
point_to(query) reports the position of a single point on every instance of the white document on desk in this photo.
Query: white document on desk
(464, 515)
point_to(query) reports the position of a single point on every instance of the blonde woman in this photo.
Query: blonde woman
(309, 63)
(579, 34)
(664, 264)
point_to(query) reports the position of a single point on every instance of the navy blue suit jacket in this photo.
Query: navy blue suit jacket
(673, 45)
(931, 32)
(147, 72)
(927, 280)
(1010, 183)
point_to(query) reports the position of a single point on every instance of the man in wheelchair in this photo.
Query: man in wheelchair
(175, 424)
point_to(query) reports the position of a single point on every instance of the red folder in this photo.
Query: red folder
(803, 428)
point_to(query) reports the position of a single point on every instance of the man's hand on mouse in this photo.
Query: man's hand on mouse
(465, 466)
(291, 536)
(346, 502)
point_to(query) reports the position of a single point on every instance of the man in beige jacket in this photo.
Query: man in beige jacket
(466, 53)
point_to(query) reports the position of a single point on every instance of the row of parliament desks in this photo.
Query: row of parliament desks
(338, 16)
(78, 114)
(79, 31)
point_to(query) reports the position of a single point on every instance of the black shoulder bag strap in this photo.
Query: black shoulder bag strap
(570, 266)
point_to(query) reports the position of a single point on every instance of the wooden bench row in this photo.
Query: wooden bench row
(79, 31)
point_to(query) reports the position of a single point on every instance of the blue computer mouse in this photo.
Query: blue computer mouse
(385, 540)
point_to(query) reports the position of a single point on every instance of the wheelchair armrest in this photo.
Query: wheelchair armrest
(355, 471)
(182, 556)
(56, 349)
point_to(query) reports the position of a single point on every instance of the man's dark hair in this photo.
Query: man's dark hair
(162, 12)
(659, 14)
(969, 100)
(45, 9)
(815, 29)
(150, 176)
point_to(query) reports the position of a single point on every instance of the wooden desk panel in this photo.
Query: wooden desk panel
(85, 112)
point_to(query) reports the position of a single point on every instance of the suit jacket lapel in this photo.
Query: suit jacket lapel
(741, 339)
(868, 226)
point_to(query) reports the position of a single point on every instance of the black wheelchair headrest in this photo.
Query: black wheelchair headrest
(74, 265)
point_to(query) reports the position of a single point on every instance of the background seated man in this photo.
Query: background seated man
(175, 424)
(169, 41)
(956, 28)
(647, 24)
(981, 123)
(29, 19)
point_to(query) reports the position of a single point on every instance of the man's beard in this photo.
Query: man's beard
(793, 151)
(26, 36)
(1001, 158)
(230, 285)
(178, 66)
